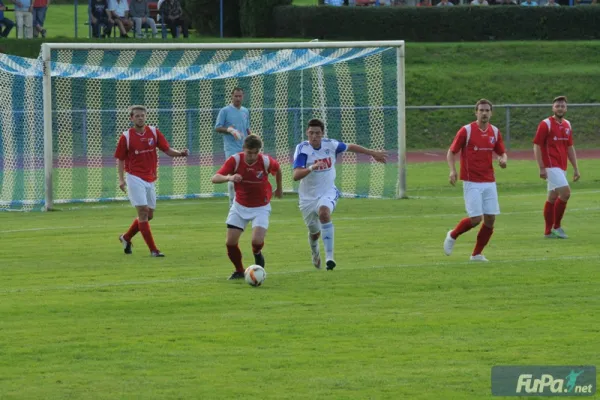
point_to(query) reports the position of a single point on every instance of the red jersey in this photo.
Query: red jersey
(476, 147)
(254, 190)
(554, 140)
(138, 150)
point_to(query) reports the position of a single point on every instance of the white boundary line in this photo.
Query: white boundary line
(223, 277)
(282, 221)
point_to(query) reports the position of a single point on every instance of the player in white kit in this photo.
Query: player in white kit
(314, 167)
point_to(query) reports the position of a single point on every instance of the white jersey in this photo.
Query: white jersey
(321, 180)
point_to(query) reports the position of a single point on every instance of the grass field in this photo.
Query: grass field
(396, 320)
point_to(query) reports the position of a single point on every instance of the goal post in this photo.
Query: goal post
(86, 89)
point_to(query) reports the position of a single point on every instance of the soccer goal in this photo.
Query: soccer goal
(62, 114)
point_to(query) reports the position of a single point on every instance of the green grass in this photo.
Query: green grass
(396, 319)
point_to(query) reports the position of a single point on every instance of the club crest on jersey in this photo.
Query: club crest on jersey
(327, 151)
(150, 141)
(492, 139)
(259, 174)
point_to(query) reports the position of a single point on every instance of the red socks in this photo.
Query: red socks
(147, 234)
(559, 210)
(133, 229)
(483, 237)
(463, 226)
(548, 217)
(235, 255)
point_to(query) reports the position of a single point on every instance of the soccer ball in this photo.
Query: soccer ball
(255, 275)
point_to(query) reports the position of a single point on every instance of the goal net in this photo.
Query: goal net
(62, 114)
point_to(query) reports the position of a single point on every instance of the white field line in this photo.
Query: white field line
(308, 269)
(294, 221)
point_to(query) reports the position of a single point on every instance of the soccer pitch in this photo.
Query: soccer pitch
(395, 320)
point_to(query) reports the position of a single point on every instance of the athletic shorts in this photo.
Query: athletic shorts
(140, 192)
(310, 209)
(557, 178)
(239, 216)
(481, 198)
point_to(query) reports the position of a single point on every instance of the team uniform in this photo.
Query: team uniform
(240, 120)
(141, 162)
(554, 139)
(253, 194)
(476, 167)
(317, 189)
(476, 149)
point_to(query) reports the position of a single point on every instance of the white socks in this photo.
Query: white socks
(327, 235)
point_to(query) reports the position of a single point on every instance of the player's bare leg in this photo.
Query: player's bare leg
(327, 231)
(465, 225)
(560, 205)
(258, 241)
(231, 192)
(233, 251)
(313, 242)
(144, 214)
(483, 237)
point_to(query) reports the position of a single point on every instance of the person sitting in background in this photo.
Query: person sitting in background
(508, 3)
(444, 3)
(480, 3)
(529, 3)
(140, 13)
(99, 16)
(172, 13)
(119, 15)
(552, 3)
(5, 22)
(39, 16)
(424, 3)
(336, 3)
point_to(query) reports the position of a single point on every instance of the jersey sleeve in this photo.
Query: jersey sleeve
(459, 140)
(161, 141)
(300, 158)
(499, 148)
(340, 147)
(121, 151)
(228, 167)
(541, 134)
(220, 123)
(273, 166)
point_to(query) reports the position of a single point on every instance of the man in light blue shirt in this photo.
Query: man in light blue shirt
(233, 122)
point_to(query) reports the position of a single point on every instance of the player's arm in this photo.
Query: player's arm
(300, 169)
(538, 141)
(459, 142)
(379, 156)
(278, 184)
(500, 150)
(177, 153)
(573, 159)
(121, 172)
(226, 173)
(164, 146)
(121, 156)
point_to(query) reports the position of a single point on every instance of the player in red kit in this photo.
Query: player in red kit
(552, 146)
(136, 152)
(476, 143)
(249, 171)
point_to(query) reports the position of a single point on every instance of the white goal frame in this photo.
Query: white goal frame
(47, 87)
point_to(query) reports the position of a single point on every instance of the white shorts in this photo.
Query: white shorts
(481, 198)
(310, 209)
(557, 178)
(140, 192)
(239, 216)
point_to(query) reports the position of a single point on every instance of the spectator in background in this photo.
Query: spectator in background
(39, 16)
(336, 3)
(119, 15)
(508, 3)
(552, 3)
(24, 18)
(99, 16)
(480, 3)
(172, 13)
(529, 3)
(424, 3)
(5, 22)
(444, 3)
(140, 13)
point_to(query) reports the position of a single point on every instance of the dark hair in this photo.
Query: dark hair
(483, 101)
(253, 142)
(136, 107)
(237, 89)
(559, 98)
(316, 123)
